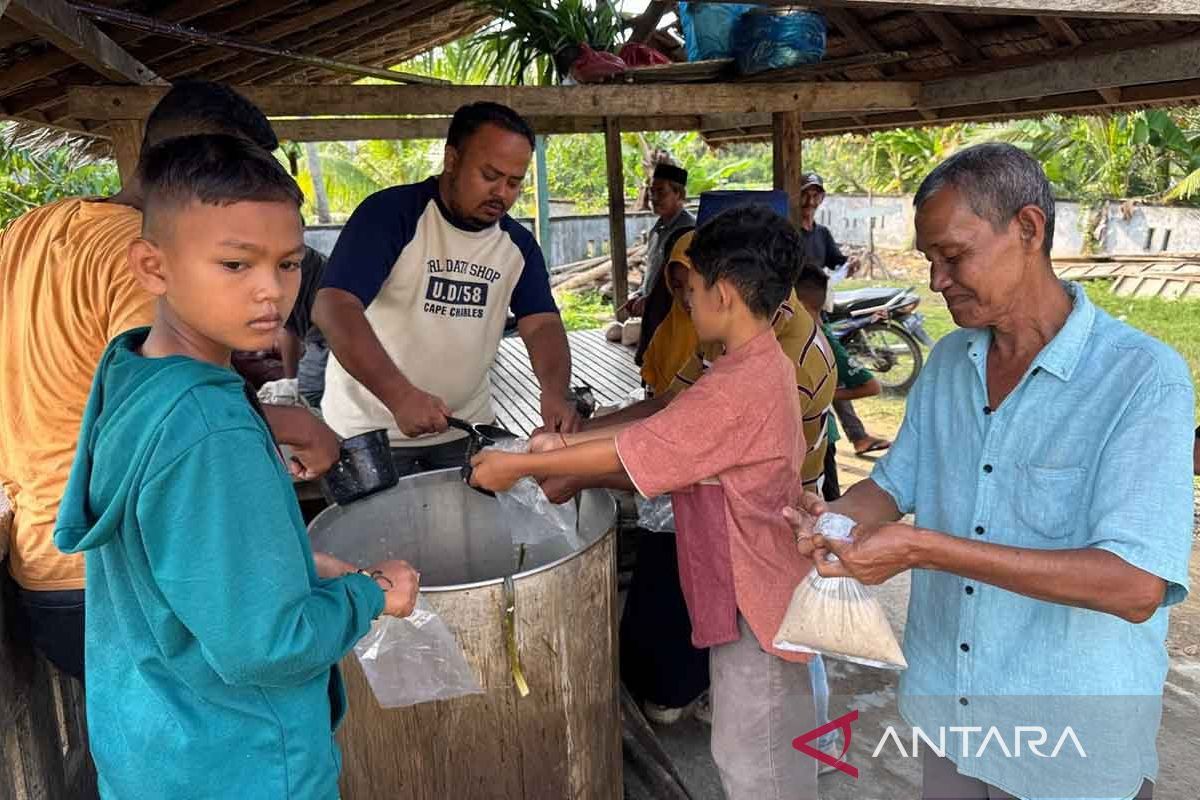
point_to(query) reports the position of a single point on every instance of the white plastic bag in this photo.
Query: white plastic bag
(656, 513)
(529, 515)
(839, 617)
(414, 660)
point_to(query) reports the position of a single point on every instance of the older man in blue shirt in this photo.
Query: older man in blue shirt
(1045, 456)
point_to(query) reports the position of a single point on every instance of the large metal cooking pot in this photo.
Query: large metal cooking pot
(563, 739)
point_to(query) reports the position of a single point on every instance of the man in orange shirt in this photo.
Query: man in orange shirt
(65, 291)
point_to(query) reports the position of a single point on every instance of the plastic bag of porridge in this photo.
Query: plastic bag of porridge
(839, 617)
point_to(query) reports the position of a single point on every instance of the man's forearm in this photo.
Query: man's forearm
(868, 389)
(1085, 578)
(287, 423)
(549, 353)
(353, 341)
(866, 503)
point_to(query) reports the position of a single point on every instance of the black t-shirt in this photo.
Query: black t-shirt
(312, 267)
(820, 250)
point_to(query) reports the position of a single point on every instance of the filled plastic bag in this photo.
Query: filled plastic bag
(656, 514)
(594, 66)
(766, 39)
(528, 513)
(6, 521)
(414, 660)
(636, 54)
(708, 28)
(839, 617)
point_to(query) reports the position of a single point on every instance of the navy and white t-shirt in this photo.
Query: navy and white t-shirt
(437, 295)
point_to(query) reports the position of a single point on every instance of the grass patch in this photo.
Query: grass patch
(583, 311)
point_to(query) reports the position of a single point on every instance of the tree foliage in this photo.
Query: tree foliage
(29, 179)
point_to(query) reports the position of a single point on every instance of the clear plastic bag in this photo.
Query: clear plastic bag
(656, 513)
(528, 513)
(414, 660)
(839, 617)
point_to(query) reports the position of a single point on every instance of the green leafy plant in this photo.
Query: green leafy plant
(522, 44)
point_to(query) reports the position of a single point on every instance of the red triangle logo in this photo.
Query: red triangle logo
(842, 723)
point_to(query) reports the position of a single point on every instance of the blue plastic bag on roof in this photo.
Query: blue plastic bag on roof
(765, 39)
(708, 28)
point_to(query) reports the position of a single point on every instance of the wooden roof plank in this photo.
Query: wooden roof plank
(364, 25)
(1167, 62)
(950, 36)
(1129, 9)
(68, 30)
(103, 102)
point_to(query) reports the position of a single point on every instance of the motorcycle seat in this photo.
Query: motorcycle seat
(858, 299)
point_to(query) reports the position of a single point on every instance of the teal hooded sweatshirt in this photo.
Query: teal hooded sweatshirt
(211, 644)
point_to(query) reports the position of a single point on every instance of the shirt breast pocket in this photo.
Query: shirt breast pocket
(1050, 500)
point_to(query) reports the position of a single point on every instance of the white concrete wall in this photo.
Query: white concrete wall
(1150, 229)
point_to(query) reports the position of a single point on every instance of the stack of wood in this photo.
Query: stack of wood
(1165, 275)
(595, 274)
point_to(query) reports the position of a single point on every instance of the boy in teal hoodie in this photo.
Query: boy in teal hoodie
(211, 639)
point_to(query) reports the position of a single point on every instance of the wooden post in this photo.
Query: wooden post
(788, 141)
(127, 145)
(542, 195)
(616, 211)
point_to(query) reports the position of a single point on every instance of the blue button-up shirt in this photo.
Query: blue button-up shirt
(1093, 448)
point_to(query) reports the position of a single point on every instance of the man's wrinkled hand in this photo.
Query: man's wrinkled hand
(418, 413)
(875, 554)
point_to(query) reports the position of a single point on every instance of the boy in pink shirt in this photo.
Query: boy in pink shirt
(729, 451)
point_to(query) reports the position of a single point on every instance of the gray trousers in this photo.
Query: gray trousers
(760, 703)
(851, 424)
(942, 781)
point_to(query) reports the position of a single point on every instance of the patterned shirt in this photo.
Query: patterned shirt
(816, 379)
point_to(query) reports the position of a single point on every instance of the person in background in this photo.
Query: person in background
(728, 450)
(1043, 454)
(674, 341)
(668, 196)
(854, 381)
(212, 640)
(822, 252)
(660, 666)
(65, 291)
(415, 295)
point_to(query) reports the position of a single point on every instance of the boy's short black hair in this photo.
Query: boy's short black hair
(192, 107)
(812, 282)
(214, 169)
(472, 117)
(754, 249)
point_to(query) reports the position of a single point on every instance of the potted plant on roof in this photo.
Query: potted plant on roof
(537, 41)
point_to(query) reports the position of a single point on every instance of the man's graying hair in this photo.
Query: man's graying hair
(997, 180)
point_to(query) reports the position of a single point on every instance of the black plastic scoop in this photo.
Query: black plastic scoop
(480, 436)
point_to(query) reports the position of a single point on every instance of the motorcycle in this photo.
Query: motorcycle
(882, 329)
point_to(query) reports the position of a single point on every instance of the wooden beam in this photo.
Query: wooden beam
(950, 36)
(340, 37)
(48, 64)
(616, 211)
(1168, 62)
(69, 31)
(1127, 9)
(268, 35)
(1060, 30)
(787, 158)
(126, 135)
(715, 98)
(857, 34)
(645, 25)
(324, 129)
